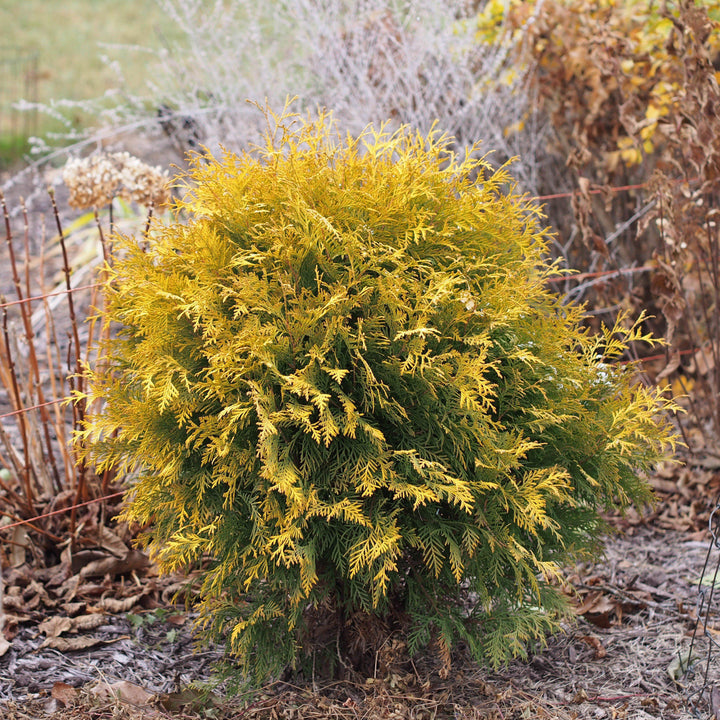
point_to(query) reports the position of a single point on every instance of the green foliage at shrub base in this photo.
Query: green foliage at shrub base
(345, 384)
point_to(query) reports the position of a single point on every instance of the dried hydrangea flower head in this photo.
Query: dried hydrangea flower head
(94, 181)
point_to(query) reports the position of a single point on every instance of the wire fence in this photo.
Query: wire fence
(699, 674)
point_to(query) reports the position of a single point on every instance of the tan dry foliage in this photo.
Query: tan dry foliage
(94, 181)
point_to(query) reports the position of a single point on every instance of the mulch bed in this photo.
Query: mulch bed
(636, 614)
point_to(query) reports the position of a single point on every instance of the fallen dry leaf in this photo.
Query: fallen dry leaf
(115, 605)
(190, 698)
(14, 601)
(596, 645)
(63, 693)
(4, 645)
(55, 626)
(12, 620)
(74, 643)
(77, 561)
(111, 542)
(134, 560)
(597, 607)
(703, 361)
(39, 590)
(680, 665)
(74, 608)
(666, 469)
(88, 622)
(125, 691)
(69, 588)
(711, 462)
(662, 485)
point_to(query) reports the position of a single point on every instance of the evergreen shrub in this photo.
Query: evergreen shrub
(344, 386)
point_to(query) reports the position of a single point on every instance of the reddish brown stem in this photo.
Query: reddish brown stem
(21, 418)
(26, 314)
(78, 406)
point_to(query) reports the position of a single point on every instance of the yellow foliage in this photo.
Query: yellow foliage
(600, 62)
(341, 382)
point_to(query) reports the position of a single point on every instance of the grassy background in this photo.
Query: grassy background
(68, 37)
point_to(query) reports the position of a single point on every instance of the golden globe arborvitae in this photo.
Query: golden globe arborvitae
(345, 382)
